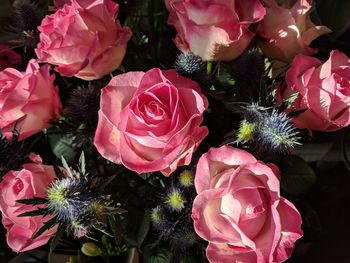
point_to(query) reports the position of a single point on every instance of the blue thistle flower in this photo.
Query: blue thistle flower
(276, 133)
(174, 200)
(84, 103)
(188, 64)
(68, 197)
(267, 130)
(28, 15)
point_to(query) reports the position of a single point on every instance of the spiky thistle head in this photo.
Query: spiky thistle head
(267, 130)
(84, 103)
(277, 133)
(249, 67)
(191, 66)
(26, 18)
(157, 216)
(184, 238)
(174, 199)
(245, 132)
(91, 216)
(68, 197)
(186, 178)
(27, 15)
(188, 64)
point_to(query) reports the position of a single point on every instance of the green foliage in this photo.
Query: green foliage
(62, 144)
(296, 175)
(156, 254)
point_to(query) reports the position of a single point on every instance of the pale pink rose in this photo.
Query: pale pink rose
(239, 210)
(149, 121)
(324, 91)
(84, 39)
(214, 29)
(8, 57)
(287, 32)
(32, 181)
(27, 99)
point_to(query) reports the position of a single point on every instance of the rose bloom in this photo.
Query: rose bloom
(8, 57)
(323, 91)
(239, 210)
(214, 29)
(286, 32)
(32, 181)
(83, 39)
(149, 121)
(28, 100)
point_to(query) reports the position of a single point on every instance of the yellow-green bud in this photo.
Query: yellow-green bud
(186, 178)
(175, 200)
(90, 249)
(156, 215)
(245, 132)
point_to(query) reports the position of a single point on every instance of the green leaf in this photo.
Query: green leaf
(296, 175)
(61, 145)
(37, 212)
(32, 201)
(47, 225)
(66, 166)
(144, 228)
(156, 254)
(82, 163)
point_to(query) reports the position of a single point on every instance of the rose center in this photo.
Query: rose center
(18, 186)
(342, 84)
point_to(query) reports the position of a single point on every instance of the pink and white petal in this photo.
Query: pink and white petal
(118, 93)
(107, 139)
(217, 160)
(290, 230)
(336, 60)
(223, 253)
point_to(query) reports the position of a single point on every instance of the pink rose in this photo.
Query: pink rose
(8, 57)
(239, 210)
(83, 39)
(285, 33)
(28, 99)
(31, 181)
(214, 29)
(323, 90)
(149, 121)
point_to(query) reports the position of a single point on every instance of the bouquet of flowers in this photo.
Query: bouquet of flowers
(173, 131)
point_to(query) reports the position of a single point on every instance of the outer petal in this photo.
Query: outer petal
(216, 160)
(223, 253)
(290, 230)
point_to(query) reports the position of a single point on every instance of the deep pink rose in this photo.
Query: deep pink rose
(8, 57)
(149, 121)
(83, 39)
(239, 210)
(31, 181)
(324, 91)
(214, 29)
(28, 99)
(287, 32)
